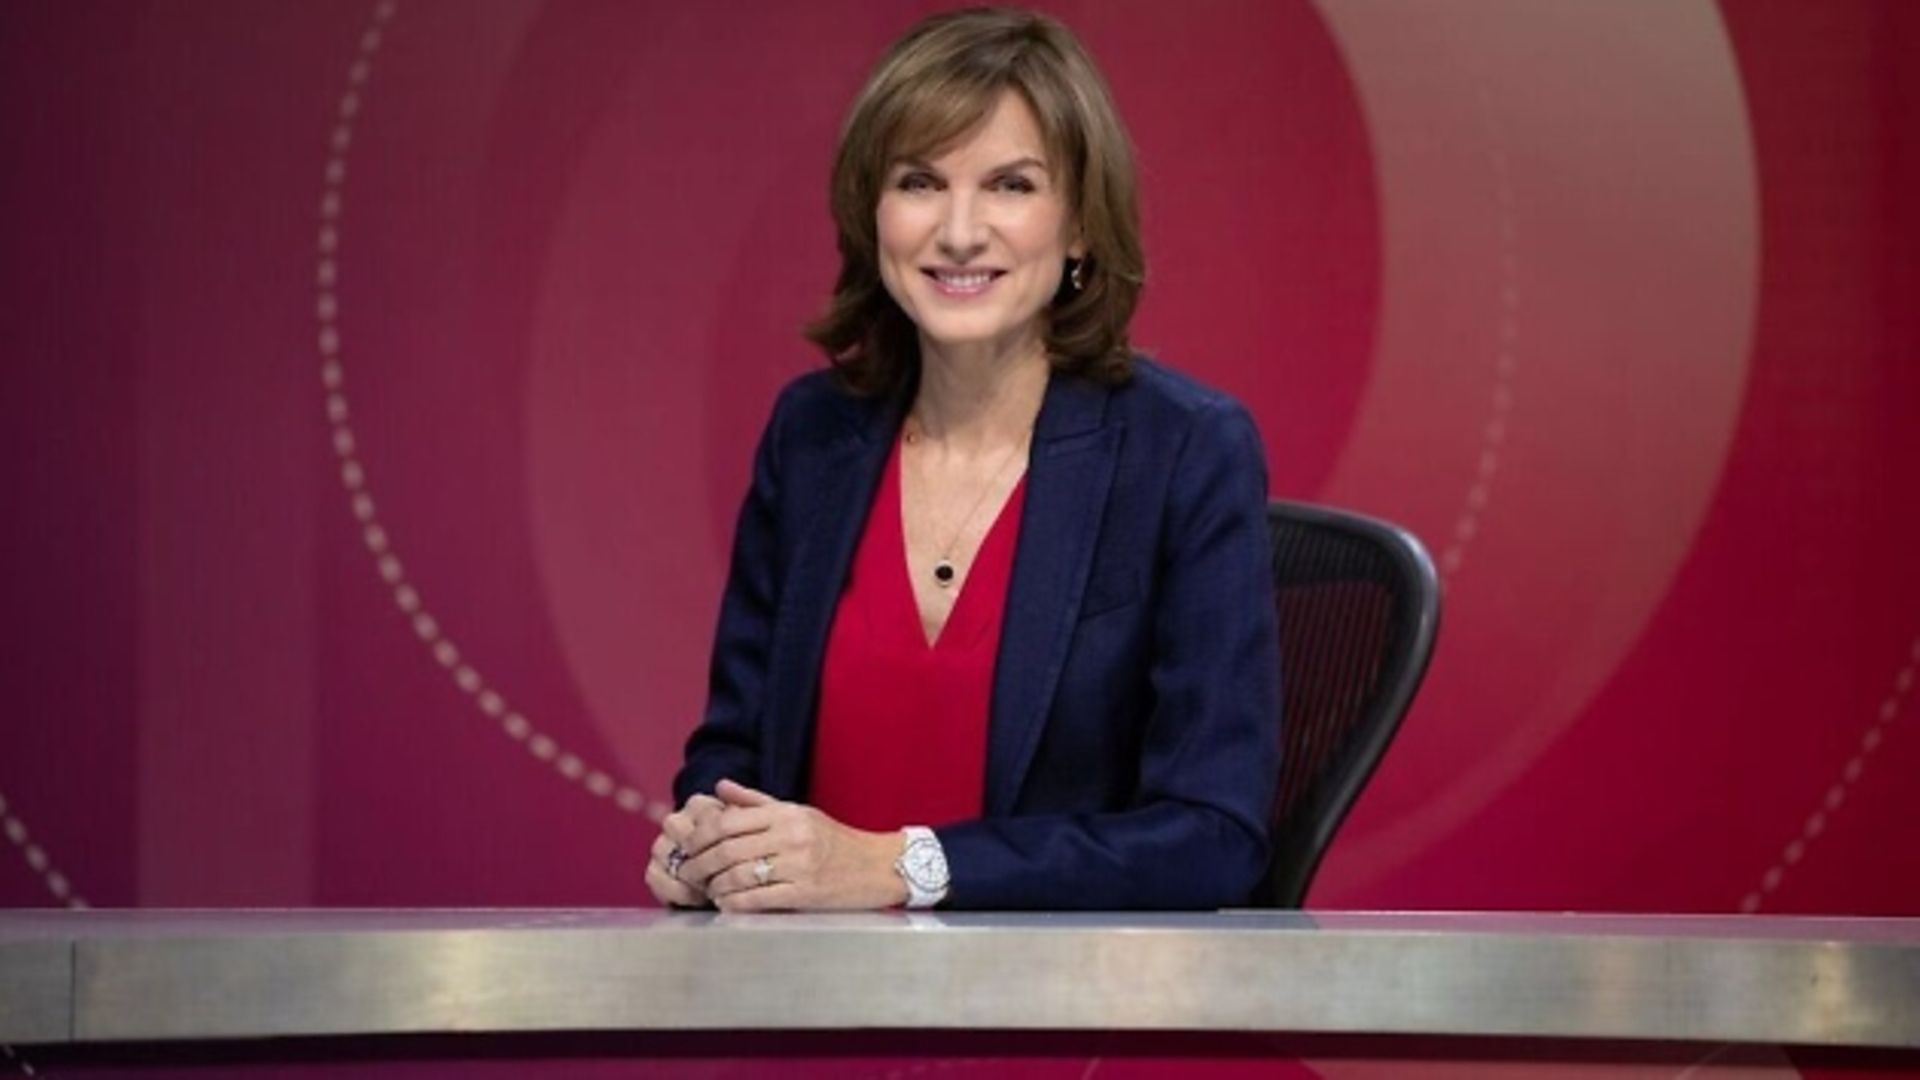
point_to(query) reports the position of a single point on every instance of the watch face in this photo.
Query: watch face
(925, 865)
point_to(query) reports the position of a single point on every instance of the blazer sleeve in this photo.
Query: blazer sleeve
(726, 744)
(1196, 836)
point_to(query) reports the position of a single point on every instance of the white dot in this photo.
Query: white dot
(1816, 824)
(352, 476)
(629, 800)
(358, 73)
(1510, 296)
(16, 832)
(1904, 681)
(1496, 432)
(1772, 880)
(1450, 560)
(516, 725)
(1489, 461)
(325, 271)
(407, 599)
(328, 239)
(326, 307)
(1794, 851)
(1509, 331)
(490, 703)
(343, 441)
(658, 811)
(330, 204)
(370, 40)
(342, 137)
(57, 884)
(349, 104)
(446, 654)
(331, 374)
(541, 746)
(391, 570)
(376, 538)
(467, 679)
(36, 857)
(329, 343)
(1871, 740)
(336, 170)
(1915, 651)
(1477, 496)
(570, 766)
(1751, 903)
(600, 784)
(336, 408)
(363, 506)
(1852, 771)
(1465, 528)
(78, 904)
(425, 626)
(1506, 365)
(385, 10)
(1889, 709)
(1502, 397)
(1835, 796)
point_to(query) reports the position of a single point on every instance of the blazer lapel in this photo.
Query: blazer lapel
(847, 474)
(1068, 476)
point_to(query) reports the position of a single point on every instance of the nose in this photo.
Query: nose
(962, 231)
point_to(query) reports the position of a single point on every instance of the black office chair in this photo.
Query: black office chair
(1359, 605)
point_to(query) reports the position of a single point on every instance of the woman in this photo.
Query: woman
(998, 630)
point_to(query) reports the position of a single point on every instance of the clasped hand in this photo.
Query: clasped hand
(744, 850)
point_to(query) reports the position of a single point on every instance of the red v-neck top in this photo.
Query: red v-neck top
(901, 734)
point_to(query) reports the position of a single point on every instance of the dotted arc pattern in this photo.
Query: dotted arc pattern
(598, 782)
(37, 858)
(1493, 434)
(1836, 794)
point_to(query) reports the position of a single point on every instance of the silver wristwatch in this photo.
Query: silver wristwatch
(923, 866)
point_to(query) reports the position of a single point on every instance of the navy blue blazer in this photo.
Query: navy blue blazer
(1134, 741)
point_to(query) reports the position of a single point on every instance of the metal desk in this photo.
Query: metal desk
(75, 977)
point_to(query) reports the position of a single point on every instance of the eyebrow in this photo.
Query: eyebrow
(1011, 166)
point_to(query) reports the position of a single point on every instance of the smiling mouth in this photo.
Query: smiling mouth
(963, 282)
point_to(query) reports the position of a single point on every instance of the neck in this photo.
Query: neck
(973, 400)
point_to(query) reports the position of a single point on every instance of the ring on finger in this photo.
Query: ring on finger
(763, 869)
(674, 859)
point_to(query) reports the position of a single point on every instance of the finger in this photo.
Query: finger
(729, 853)
(780, 896)
(735, 821)
(663, 845)
(681, 823)
(667, 890)
(742, 877)
(742, 795)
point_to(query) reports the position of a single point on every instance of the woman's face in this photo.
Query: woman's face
(973, 243)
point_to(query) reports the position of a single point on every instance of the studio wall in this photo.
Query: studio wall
(381, 378)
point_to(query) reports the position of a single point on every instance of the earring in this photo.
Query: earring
(1076, 274)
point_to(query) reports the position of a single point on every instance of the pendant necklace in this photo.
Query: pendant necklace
(944, 573)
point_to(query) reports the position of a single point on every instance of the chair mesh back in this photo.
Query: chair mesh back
(1358, 604)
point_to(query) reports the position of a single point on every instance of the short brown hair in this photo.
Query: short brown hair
(935, 85)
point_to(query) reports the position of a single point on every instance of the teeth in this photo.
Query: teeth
(964, 281)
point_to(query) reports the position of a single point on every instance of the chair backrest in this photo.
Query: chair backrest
(1359, 605)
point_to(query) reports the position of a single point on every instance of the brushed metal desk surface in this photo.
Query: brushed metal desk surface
(251, 974)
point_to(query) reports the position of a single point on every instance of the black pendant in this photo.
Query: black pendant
(943, 573)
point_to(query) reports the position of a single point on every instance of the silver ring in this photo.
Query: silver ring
(674, 859)
(763, 869)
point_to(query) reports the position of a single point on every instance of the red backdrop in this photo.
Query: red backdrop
(380, 382)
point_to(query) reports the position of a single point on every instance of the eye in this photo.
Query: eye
(915, 181)
(1015, 183)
